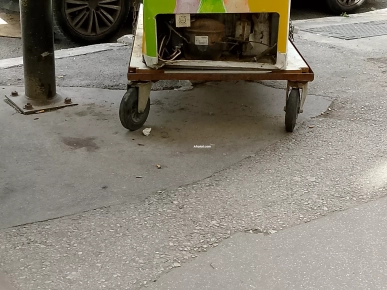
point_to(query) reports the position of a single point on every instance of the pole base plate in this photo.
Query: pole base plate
(27, 106)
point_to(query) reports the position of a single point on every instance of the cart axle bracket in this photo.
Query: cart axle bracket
(144, 90)
(299, 85)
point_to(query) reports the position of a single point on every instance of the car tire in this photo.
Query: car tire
(89, 23)
(344, 6)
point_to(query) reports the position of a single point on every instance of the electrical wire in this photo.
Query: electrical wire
(181, 36)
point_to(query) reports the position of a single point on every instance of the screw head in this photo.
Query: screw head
(14, 94)
(67, 101)
(28, 106)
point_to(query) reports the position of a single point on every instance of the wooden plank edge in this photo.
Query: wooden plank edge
(310, 71)
(138, 35)
(301, 77)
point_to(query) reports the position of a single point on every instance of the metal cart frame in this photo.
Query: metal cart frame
(135, 104)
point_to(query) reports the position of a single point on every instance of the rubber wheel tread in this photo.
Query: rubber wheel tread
(292, 109)
(128, 104)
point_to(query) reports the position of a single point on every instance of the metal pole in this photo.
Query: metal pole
(38, 50)
(40, 93)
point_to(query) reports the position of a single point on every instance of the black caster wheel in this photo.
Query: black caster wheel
(130, 118)
(292, 109)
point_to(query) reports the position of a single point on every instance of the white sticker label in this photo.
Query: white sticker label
(183, 20)
(201, 40)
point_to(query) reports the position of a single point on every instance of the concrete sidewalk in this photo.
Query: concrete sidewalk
(81, 158)
(346, 250)
(5, 284)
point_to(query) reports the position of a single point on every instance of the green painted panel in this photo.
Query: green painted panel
(212, 6)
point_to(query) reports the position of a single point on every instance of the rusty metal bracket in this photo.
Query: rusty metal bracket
(28, 106)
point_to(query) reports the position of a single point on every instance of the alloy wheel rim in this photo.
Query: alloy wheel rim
(92, 17)
(348, 3)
